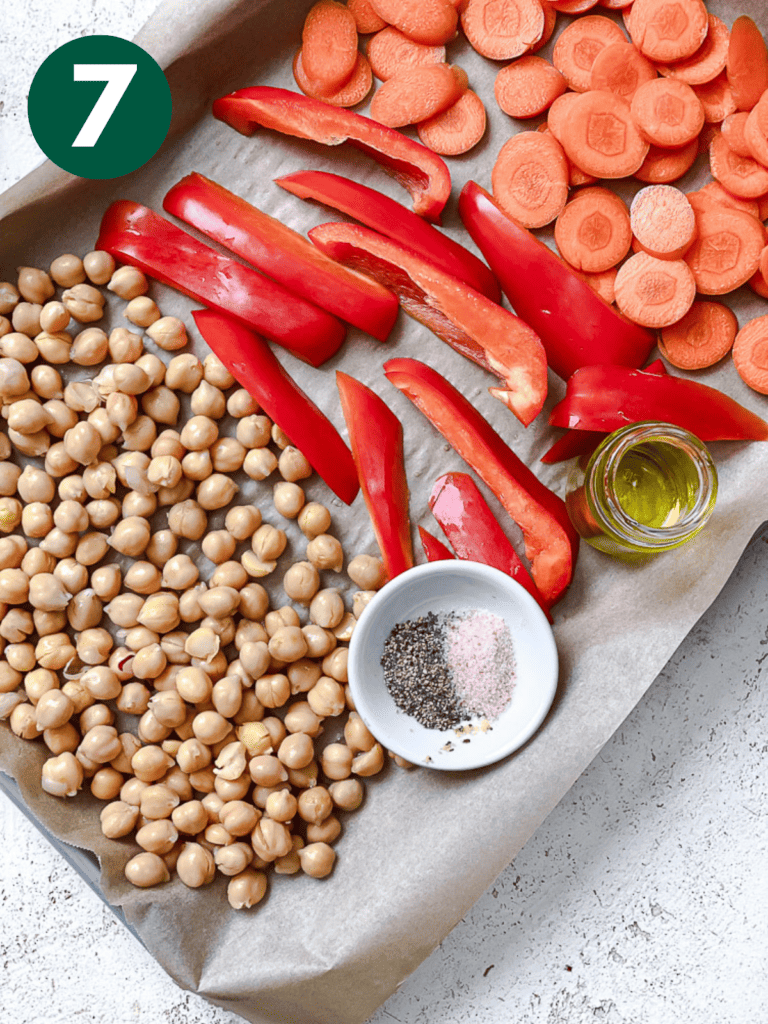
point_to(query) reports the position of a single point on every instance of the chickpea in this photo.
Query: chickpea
(327, 831)
(335, 664)
(71, 517)
(37, 521)
(33, 484)
(118, 819)
(246, 889)
(268, 543)
(190, 817)
(317, 859)
(326, 608)
(288, 499)
(150, 763)
(242, 521)
(273, 690)
(189, 604)
(142, 311)
(16, 625)
(53, 710)
(203, 645)
(146, 869)
(347, 794)
(9, 677)
(255, 658)
(14, 586)
(89, 347)
(259, 463)
(68, 270)
(48, 593)
(94, 646)
(106, 784)
(161, 405)
(5, 327)
(216, 492)
(280, 437)
(220, 602)
(101, 683)
(99, 480)
(128, 283)
(319, 641)
(336, 761)
(161, 548)
(14, 380)
(300, 718)
(219, 546)
(207, 400)
(270, 839)
(293, 465)
(180, 572)
(139, 435)
(34, 285)
(84, 302)
(133, 699)
(288, 644)
(157, 837)
(82, 443)
(22, 721)
(158, 801)
(194, 685)
(99, 266)
(47, 623)
(84, 611)
(132, 789)
(62, 775)
(314, 519)
(187, 519)
(106, 581)
(253, 432)
(229, 574)
(325, 552)
(12, 551)
(46, 382)
(9, 296)
(20, 656)
(91, 548)
(254, 601)
(15, 345)
(193, 755)
(34, 445)
(96, 714)
(26, 318)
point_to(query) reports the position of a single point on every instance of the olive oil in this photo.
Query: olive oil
(656, 484)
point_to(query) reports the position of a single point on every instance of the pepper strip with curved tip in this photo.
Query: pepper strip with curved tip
(608, 397)
(474, 532)
(420, 171)
(282, 253)
(469, 322)
(551, 542)
(376, 439)
(253, 364)
(434, 549)
(392, 219)
(575, 325)
(139, 236)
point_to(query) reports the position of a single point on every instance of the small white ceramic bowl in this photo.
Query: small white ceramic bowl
(443, 587)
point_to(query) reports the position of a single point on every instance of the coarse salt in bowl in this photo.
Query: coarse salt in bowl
(478, 595)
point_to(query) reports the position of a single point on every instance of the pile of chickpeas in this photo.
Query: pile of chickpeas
(189, 706)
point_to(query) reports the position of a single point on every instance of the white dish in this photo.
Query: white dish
(444, 587)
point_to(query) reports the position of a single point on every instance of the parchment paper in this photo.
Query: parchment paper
(426, 844)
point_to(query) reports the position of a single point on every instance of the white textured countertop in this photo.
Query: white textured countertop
(642, 897)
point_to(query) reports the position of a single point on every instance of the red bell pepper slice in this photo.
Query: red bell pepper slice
(434, 549)
(468, 321)
(609, 397)
(376, 438)
(252, 363)
(141, 237)
(474, 532)
(577, 327)
(283, 253)
(551, 542)
(423, 173)
(392, 219)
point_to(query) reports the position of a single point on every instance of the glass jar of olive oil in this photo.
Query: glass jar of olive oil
(647, 488)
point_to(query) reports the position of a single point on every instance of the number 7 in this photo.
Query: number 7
(118, 78)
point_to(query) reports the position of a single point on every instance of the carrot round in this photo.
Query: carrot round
(615, 5)
(750, 354)
(740, 175)
(389, 51)
(733, 128)
(366, 19)
(503, 30)
(762, 208)
(668, 112)
(579, 44)
(593, 231)
(716, 98)
(457, 129)
(416, 94)
(559, 113)
(708, 61)
(550, 19)
(668, 30)
(329, 46)
(573, 6)
(747, 64)
(756, 130)
(664, 165)
(600, 136)
(576, 176)
(701, 338)
(425, 21)
(663, 221)
(526, 87)
(530, 179)
(602, 284)
(654, 293)
(759, 285)
(349, 95)
(727, 249)
(620, 68)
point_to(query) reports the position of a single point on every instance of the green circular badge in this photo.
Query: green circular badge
(99, 107)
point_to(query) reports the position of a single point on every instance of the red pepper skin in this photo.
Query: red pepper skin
(252, 363)
(551, 542)
(282, 253)
(466, 320)
(141, 237)
(474, 532)
(423, 173)
(609, 397)
(392, 219)
(434, 549)
(576, 326)
(376, 439)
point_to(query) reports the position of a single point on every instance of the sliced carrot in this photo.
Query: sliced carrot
(759, 285)
(707, 133)
(762, 207)
(530, 178)
(654, 293)
(708, 61)
(713, 195)
(573, 6)
(668, 30)
(550, 19)
(416, 94)
(747, 66)
(662, 166)
(701, 338)
(668, 112)
(750, 354)
(716, 98)
(559, 113)
(756, 130)
(740, 175)
(763, 265)
(663, 221)
(425, 21)
(593, 231)
(600, 136)
(621, 69)
(389, 51)
(576, 176)
(329, 46)
(349, 95)
(503, 30)
(528, 86)
(727, 249)
(615, 5)
(733, 132)
(366, 19)
(579, 44)
(603, 284)
(458, 129)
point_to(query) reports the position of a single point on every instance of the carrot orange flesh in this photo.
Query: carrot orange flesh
(713, 195)
(457, 129)
(350, 94)
(733, 132)
(750, 354)
(726, 252)
(550, 20)
(526, 87)
(416, 94)
(600, 136)
(708, 61)
(701, 338)
(530, 178)
(664, 165)
(366, 19)
(502, 31)
(654, 293)
(668, 112)
(740, 175)
(593, 231)
(329, 45)
(747, 65)
(667, 31)
(620, 68)
(432, 22)
(579, 44)
(716, 98)
(663, 221)
(389, 51)
(756, 130)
